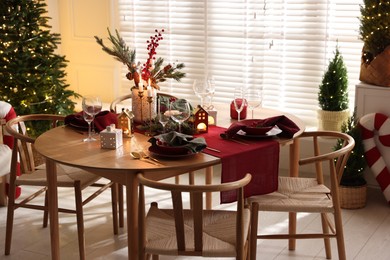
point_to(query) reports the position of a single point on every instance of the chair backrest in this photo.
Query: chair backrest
(23, 143)
(336, 159)
(118, 100)
(197, 191)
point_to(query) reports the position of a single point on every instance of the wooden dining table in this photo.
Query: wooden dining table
(64, 145)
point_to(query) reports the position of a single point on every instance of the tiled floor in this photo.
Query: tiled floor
(367, 233)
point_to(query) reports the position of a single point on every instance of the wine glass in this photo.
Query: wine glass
(254, 98)
(239, 100)
(200, 87)
(180, 111)
(163, 114)
(92, 105)
(211, 89)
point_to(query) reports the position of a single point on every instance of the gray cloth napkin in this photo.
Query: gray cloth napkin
(174, 138)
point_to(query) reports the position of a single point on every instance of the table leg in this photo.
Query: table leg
(209, 180)
(132, 215)
(294, 167)
(191, 181)
(51, 175)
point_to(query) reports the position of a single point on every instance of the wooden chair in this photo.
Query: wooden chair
(33, 175)
(5, 153)
(195, 231)
(298, 194)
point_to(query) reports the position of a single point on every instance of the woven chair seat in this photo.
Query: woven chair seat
(219, 232)
(66, 177)
(296, 195)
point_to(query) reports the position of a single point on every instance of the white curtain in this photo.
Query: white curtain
(281, 46)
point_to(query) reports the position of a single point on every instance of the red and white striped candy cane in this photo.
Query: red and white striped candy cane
(7, 112)
(377, 124)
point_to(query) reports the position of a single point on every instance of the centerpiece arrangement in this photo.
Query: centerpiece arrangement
(152, 72)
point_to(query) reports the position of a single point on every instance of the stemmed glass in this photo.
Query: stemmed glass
(239, 100)
(163, 116)
(254, 98)
(92, 105)
(200, 87)
(180, 111)
(211, 89)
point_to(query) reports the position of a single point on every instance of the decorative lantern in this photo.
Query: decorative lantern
(111, 138)
(125, 122)
(212, 117)
(201, 121)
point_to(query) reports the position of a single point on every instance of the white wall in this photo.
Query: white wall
(90, 70)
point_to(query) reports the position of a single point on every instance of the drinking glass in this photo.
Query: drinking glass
(163, 116)
(200, 87)
(91, 106)
(254, 98)
(180, 111)
(239, 100)
(211, 90)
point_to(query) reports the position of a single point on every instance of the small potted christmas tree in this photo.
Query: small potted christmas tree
(375, 33)
(333, 95)
(353, 186)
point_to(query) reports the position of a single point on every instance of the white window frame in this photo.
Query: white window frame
(282, 46)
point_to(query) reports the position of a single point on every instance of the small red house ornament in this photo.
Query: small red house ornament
(201, 120)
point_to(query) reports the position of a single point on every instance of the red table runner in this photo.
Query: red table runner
(259, 157)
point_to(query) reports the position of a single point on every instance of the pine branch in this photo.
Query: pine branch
(120, 51)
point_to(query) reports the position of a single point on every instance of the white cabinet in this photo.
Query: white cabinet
(373, 99)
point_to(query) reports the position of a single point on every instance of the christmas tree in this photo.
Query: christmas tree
(353, 174)
(333, 94)
(374, 28)
(32, 74)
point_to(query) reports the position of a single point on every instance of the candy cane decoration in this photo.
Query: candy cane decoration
(377, 124)
(7, 112)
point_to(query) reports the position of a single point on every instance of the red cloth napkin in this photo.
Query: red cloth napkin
(288, 127)
(259, 158)
(101, 121)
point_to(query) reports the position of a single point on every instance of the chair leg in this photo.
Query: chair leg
(46, 211)
(325, 230)
(80, 219)
(292, 229)
(10, 221)
(121, 204)
(339, 235)
(253, 231)
(114, 204)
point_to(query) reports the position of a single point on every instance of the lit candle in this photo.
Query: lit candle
(140, 86)
(149, 82)
(150, 91)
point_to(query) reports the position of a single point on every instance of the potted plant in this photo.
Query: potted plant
(353, 186)
(333, 95)
(375, 33)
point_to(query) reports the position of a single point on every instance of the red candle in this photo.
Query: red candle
(233, 112)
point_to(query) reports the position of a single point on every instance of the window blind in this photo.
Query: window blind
(281, 46)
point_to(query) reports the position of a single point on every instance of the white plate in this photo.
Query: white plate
(271, 133)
